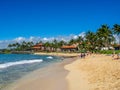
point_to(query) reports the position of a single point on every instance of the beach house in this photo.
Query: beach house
(69, 48)
(38, 47)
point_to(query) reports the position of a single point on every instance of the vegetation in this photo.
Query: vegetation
(92, 41)
(21, 46)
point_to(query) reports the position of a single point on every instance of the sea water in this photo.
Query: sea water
(14, 66)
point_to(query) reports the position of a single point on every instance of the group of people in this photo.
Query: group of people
(83, 55)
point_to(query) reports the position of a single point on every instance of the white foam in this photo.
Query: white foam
(50, 57)
(6, 65)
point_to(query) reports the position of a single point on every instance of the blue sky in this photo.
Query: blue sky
(48, 18)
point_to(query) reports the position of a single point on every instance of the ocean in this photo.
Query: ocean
(15, 66)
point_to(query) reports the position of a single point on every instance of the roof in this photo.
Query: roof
(37, 46)
(118, 45)
(115, 45)
(68, 47)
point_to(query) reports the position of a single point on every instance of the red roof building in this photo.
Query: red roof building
(38, 47)
(69, 48)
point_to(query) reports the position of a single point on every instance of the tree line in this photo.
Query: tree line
(103, 37)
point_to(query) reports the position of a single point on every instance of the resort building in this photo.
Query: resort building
(69, 48)
(38, 47)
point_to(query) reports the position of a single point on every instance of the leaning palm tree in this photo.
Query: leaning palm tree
(116, 29)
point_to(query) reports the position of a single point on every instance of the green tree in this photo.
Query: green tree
(10, 46)
(104, 35)
(90, 40)
(72, 41)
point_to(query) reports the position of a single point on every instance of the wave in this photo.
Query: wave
(50, 57)
(6, 65)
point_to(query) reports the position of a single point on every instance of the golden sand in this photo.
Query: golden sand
(59, 54)
(96, 72)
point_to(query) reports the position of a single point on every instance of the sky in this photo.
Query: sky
(21, 19)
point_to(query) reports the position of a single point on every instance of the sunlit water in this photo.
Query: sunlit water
(14, 66)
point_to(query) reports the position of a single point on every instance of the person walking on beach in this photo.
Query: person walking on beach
(84, 55)
(81, 55)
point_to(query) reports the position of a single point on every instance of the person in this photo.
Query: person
(84, 55)
(81, 55)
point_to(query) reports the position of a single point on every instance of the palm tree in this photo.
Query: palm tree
(79, 39)
(90, 40)
(17, 46)
(79, 42)
(61, 43)
(55, 44)
(104, 34)
(47, 46)
(10, 46)
(72, 41)
(116, 29)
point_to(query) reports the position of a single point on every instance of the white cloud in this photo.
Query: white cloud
(75, 37)
(45, 39)
(82, 34)
(19, 39)
(5, 43)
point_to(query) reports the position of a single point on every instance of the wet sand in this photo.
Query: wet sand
(52, 77)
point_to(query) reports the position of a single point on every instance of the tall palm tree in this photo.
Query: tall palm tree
(104, 34)
(47, 46)
(116, 29)
(55, 42)
(61, 43)
(10, 46)
(90, 40)
(72, 41)
(79, 39)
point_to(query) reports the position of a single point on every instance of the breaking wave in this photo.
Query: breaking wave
(50, 57)
(6, 65)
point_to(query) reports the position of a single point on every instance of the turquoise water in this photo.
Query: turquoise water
(14, 66)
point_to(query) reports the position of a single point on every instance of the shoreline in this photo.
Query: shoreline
(95, 72)
(70, 55)
(40, 78)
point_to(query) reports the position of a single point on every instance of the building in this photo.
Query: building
(38, 47)
(69, 48)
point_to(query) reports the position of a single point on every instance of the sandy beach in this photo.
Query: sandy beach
(52, 77)
(95, 72)
(59, 54)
